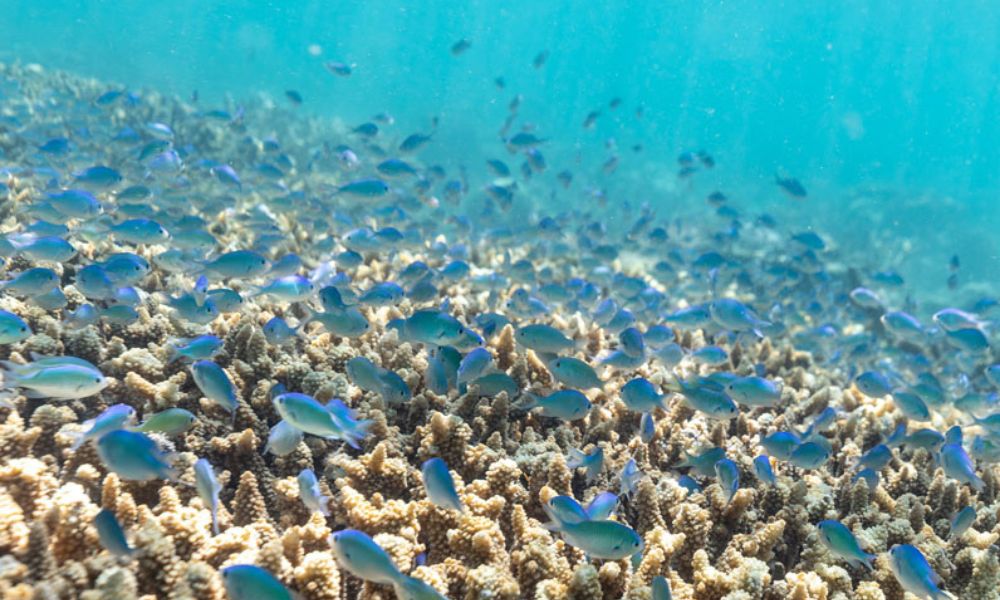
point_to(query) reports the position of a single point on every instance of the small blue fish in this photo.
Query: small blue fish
(31, 282)
(140, 231)
(710, 355)
(873, 384)
(563, 510)
(358, 554)
(754, 391)
(386, 293)
(647, 428)
(13, 328)
(543, 338)
(203, 347)
(214, 384)
(961, 522)
(607, 540)
(574, 373)
(237, 264)
(762, 468)
(915, 574)
(660, 589)
(75, 204)
(632, 342)
(629, 477)
(703, 464)
(250, 582)
(728, 473)
(568, 405)
(642, 396)
(474, 365)
(277, 331)
(171, 421)
(134, 456)
(283, 439)
(876, 458)
(290, 288)
(838, 539)
(98, 177)
(713, 403)
(602, 506)
(439, 485)
(93, 282)
(310, 493)
(809, 455)
(911, 405)
(46, 248)
(110, 533)
(958, 465)
(208, 489)
(593, 461)
(116, 416)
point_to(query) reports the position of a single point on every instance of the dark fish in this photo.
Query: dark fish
(366, 129)
(706, 159)
(500, 83)
(294, 97)
(338, 68)
(460, 46)
(414, 142)
(540, 59)
(565, 178)
(716, 199)
(792, 187)
(954, 263)
(591, 118)
(615, 103)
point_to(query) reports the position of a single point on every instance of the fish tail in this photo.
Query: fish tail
(215, 521)
(526, 402)
(79, 439)
(575, 459)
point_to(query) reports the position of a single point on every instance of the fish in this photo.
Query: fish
(593, 461)
(713, 403)
(728, 473)
(203, 347)
(333, 421)
(914, 574)
(31, 282)
(439, 485)
(171, 421)
(359, 555)
(574, 373)
(111, 535)
(543, 338)
(660, 589)
(310, 493)
(961, 521)
(214, 384)
(606, 540)
(61, 380)
(237, 264)
(250, 582)
(762, 468)
(116, 416)
(754, 391)
(134, 456)
(957, 464)
(791, 187)
(839, 540)
(13, 328)
(283, 439)
(208, 488)
(568, 405)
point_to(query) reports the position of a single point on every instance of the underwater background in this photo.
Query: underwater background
(888, 112)
(499, 300)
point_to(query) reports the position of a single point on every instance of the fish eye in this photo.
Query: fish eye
(97, 380)
(24, 328)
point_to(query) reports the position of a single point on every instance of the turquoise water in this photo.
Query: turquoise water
(887, 114)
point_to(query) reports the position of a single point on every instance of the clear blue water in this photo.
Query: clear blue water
(887, 113)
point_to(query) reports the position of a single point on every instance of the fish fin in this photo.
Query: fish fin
(35, 394)
(526, 402)
(575, 458)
